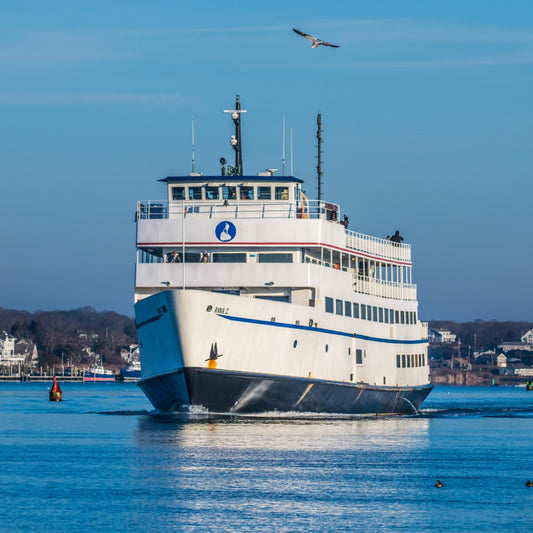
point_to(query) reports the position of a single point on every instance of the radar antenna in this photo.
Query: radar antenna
(236, 139)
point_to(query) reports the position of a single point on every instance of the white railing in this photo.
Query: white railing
(378, 247)
(384, 289)
(237, 209)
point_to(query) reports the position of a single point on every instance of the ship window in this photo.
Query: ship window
(338, 307)
(329, 305)
(264, 193)
(294, 344)
(381, 314)
(348, 308)
(211, 193)
(356, 310)
(359, 357)
(397, 317)
(368, 312)
(229, 193)
(193, 257)
(398, 361)
(195, 193)
(363, 311)
(275, 258)
(229, 258)
(327, 347)
(408, 360)
(402, 317)
(414, 317)
(423, 360)
(282, 193)
(247, 192)
(375, 314)
(178, 193)
(386, 311)
(403, 360)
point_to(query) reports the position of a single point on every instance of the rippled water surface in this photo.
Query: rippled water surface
(103, 459)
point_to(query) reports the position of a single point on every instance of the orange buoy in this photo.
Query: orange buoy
(56, 394)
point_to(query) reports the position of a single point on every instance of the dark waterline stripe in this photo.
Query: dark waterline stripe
(321, 330)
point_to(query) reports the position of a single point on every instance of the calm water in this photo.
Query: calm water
(103, 460)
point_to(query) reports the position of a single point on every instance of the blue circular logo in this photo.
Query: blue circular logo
(225, 231)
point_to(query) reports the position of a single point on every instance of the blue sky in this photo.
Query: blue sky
(427, 124)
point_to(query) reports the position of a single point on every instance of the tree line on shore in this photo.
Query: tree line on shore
(66, 335)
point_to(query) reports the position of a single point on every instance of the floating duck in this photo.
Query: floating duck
(56, 394)
(439, 484)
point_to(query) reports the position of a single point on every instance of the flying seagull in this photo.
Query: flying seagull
(316, 42)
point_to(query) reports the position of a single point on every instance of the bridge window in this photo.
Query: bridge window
(363, 311)
(211, 193)
(178, 193)
(338, 307)
(329, 305)
(380, 310)
(195, 193)
(264, 193)
(282, 193)
(356, 310)
(247, 193)
(275, 258)
(229, 193)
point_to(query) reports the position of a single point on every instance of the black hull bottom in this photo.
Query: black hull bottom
(221, 391)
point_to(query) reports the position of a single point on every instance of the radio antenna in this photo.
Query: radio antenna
(291, 152)
(319, 147)
(283, 153)
(192, 145)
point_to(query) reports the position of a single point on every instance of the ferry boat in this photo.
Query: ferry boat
(251, 297)
(97, 372)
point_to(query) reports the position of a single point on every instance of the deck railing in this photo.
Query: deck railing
(378, 247)
(246, 209)
(237, 209)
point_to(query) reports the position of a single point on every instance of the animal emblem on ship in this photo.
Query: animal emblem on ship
(225, 231)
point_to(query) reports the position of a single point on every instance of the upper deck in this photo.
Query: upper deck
(265, 197)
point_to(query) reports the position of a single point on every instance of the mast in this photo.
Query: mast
(193, 145)
(236, 140)
(319, 147)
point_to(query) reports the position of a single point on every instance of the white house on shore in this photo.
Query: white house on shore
(525, 344)
(8, 356)
(439, 335)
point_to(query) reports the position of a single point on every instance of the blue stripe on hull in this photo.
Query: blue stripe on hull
(322, 330)
(234, 392)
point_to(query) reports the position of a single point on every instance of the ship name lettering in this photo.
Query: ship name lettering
(222, 310)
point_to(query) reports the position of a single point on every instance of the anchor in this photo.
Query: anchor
(213, 356)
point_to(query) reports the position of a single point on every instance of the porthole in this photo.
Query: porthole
(294, 344)
(327, 347)
(209, 308)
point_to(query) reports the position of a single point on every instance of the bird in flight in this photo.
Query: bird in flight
(316, 42)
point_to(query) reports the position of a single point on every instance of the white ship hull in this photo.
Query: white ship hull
(233, 354)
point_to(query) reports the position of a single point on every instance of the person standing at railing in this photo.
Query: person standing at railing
(396, 238)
